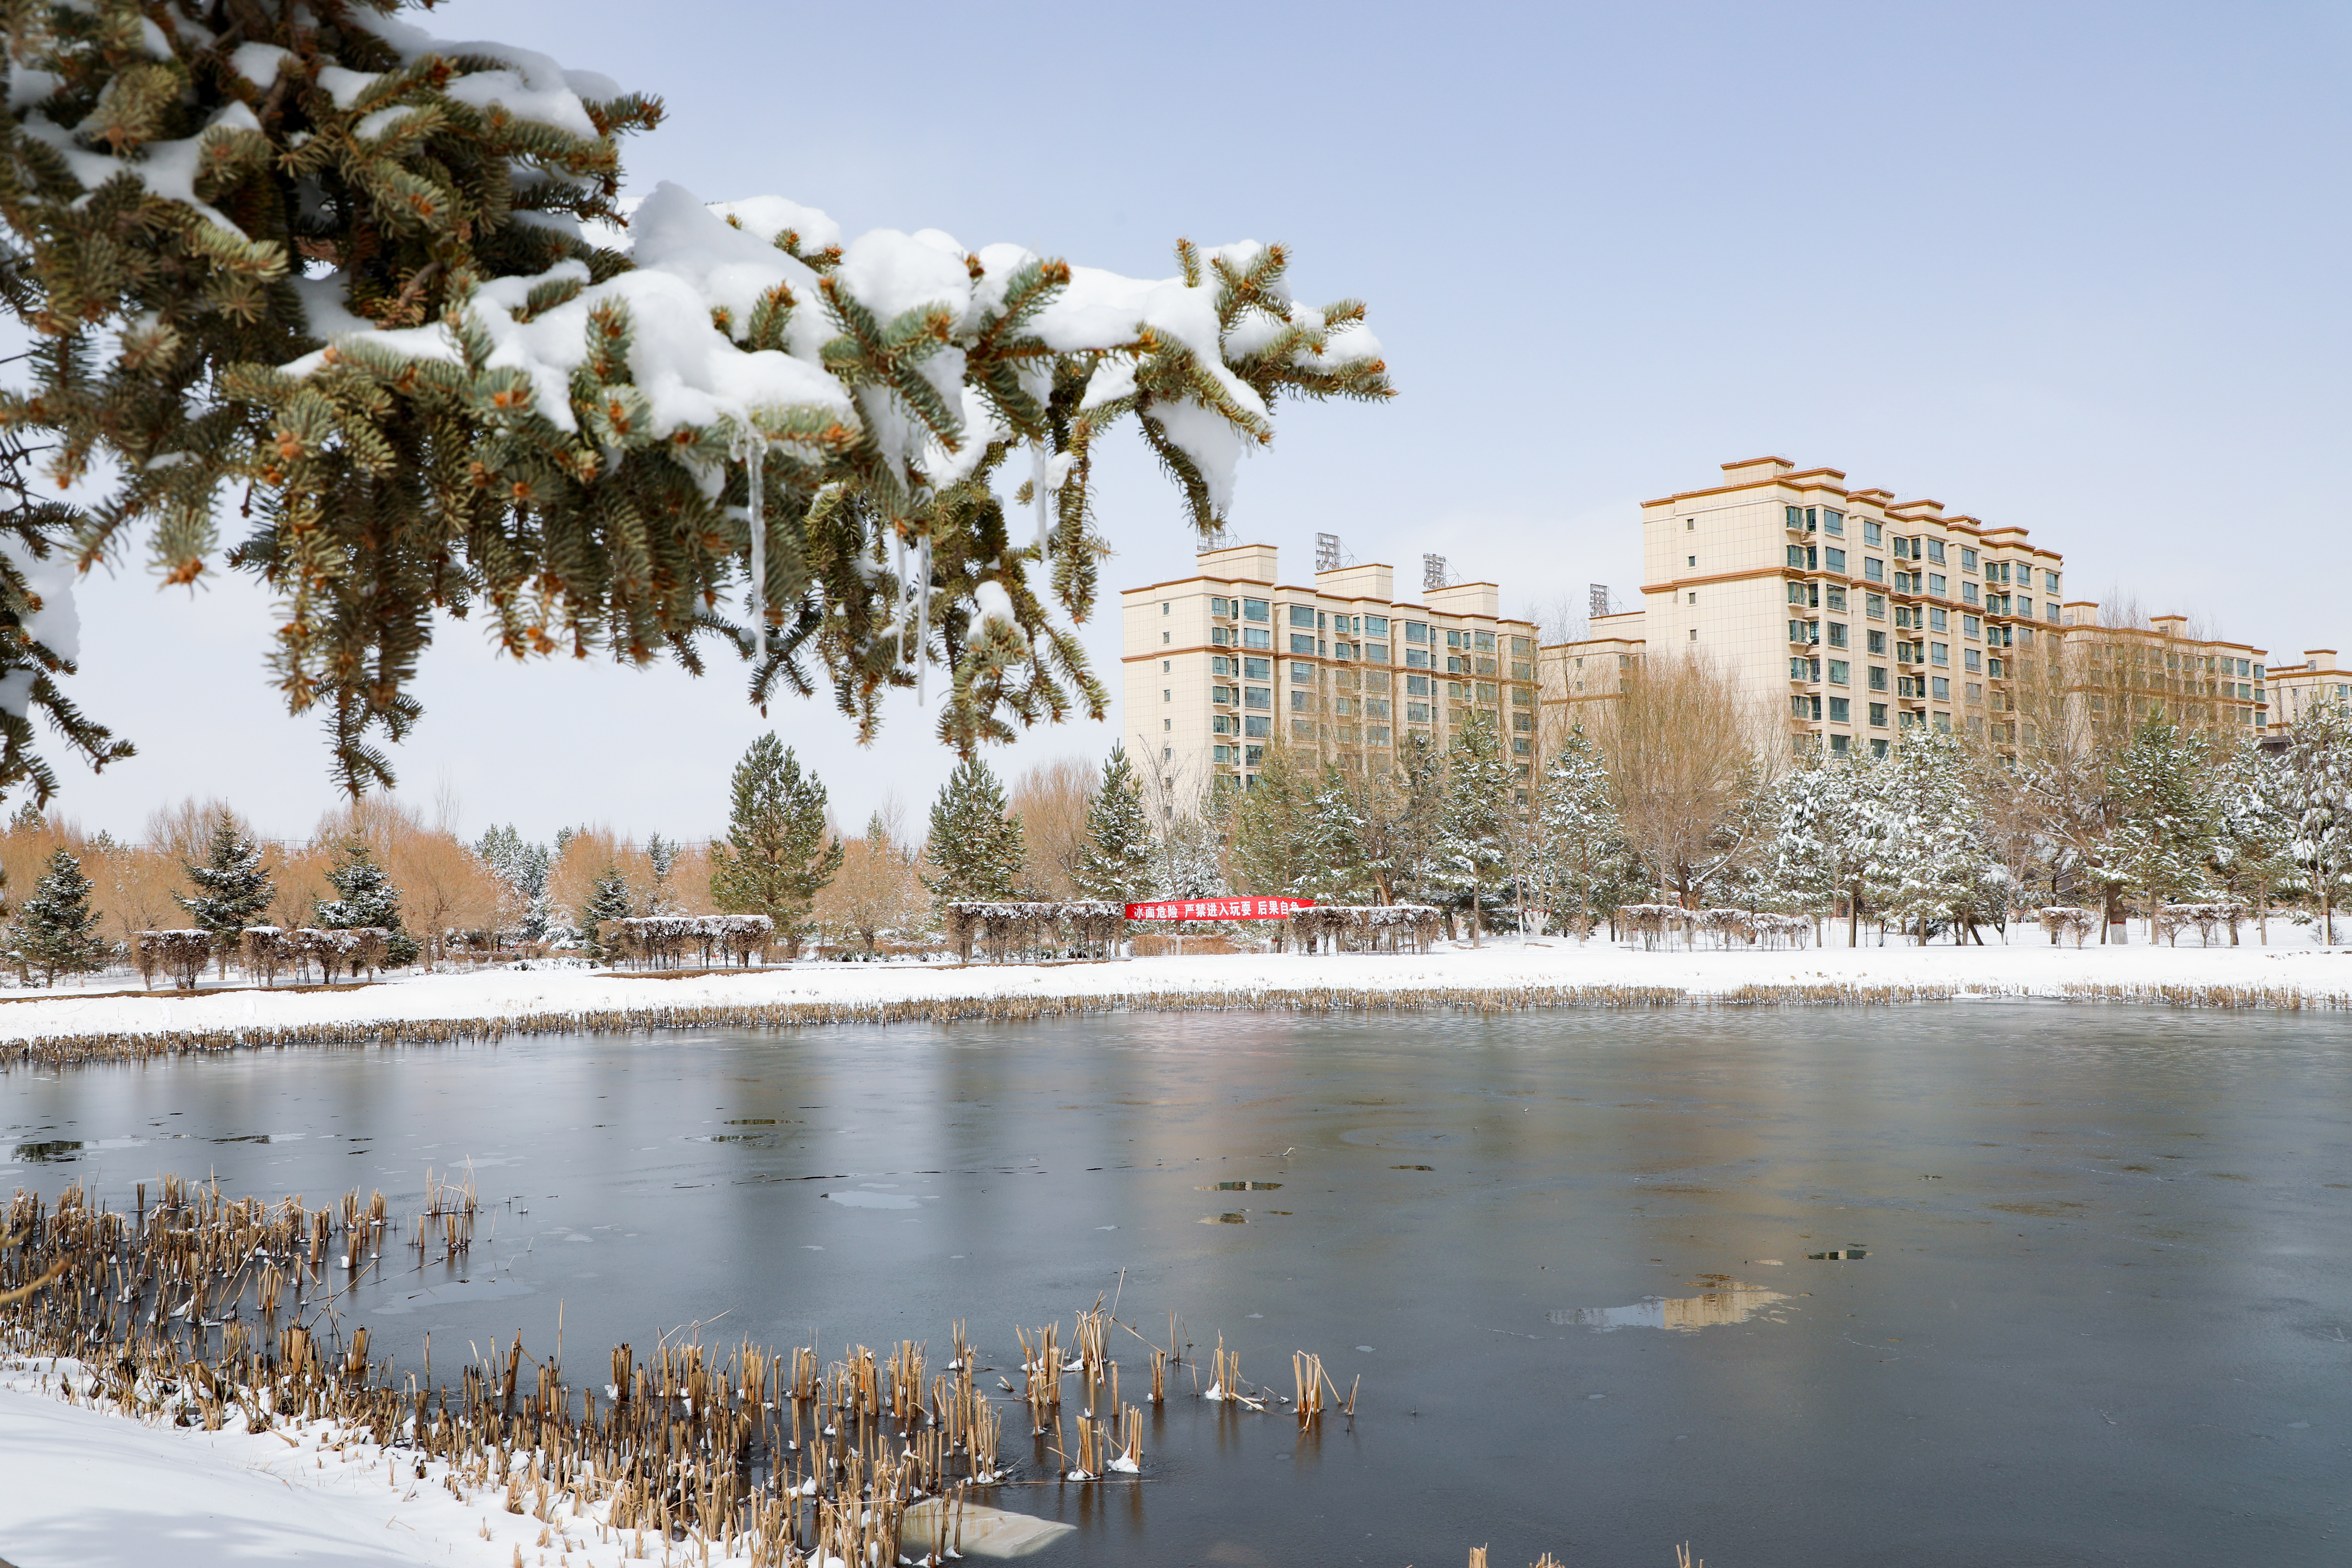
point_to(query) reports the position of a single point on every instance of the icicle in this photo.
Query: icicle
(1038, 464)
(906, 595)
(922, 616)
(754, 453)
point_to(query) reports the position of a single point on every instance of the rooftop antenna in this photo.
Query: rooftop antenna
(1432, 572)
(1597, 599)
(1327, 552)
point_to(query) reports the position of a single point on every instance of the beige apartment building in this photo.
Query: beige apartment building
(2294, 687)
(1851, 615)
(1222, 664)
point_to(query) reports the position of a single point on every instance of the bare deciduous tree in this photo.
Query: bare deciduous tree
(1685, 753)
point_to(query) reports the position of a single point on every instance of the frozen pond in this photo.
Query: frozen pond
(2093, 1302)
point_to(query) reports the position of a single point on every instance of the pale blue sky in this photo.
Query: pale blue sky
(2073, 268)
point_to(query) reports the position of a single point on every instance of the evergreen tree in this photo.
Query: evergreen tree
(1475, 863)
(1830, 841)
(365, 896)
(662, 855)
(976, 847)
(1932, 861)
(1584, 859)
(608, 902)
(776, 854)
(523, 869)
(1282, 844)
(1188, 860)
(232, 888)
(1418, 872)
(321, 306)
(2252, 837)
(1119, 863)
(2315, 793)
(56, 930)
(2166, 828)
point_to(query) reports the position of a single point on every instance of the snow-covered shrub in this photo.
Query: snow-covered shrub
(182, 955)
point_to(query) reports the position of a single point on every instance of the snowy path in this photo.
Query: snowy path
(2032, 969)
(89, 1489)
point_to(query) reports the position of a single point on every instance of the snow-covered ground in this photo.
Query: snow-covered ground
(2034, 968)
(87, 1487)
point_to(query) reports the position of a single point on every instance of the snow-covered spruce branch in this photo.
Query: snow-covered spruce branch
(382, 284)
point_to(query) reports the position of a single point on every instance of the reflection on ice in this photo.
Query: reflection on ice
(1735, 1303)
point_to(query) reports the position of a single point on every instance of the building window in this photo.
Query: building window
(1257, 729)
(1833, 558)
(1693, 634)
(1796, 558)
(1416, 631)
(1302, 616)
(1302, 703)
(1839, 744)
(1693, 560)
(1694, 599)
(1935, 551)
(1416, 712)
(1837, 633)
(1416, 686)
(1375, 652)
(1975, 692)
(1167, 724)
(1807, 709)
(1258, 669)
(1939, 653)
(1376, 707)
(1943, 723)
(1222, 724)
(1940, 688)
(1967, 593)
(1878, 719)
(1939, 620)
(1167, 695)
(1872, 533)
(1258, 697)
(1257, 637)
(2050, 582)
(1223, 753)
(1841, 711)
(1485, 641)
(1875, 606)
(1968, 559)
(1970, 660)
(1970, 627)
(1222, 608)
(1874, 568)
(1837, 597)
(1936, 584)
(1257, 609)
(1833, 523)
(1878, 676)
(2049, 610)
(1163, 607)
(1837, 672)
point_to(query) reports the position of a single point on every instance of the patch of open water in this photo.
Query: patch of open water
(2111, 1326)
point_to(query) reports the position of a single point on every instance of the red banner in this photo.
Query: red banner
(1219, 910)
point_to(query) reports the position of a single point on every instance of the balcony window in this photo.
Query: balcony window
(1939, 653)
(1257, 637)
(1796, 666)
(1833, 523)
(1416, 712)
(1875, 606)
(1222, 694)
(1343, 650)
(1523, 724)
(1872, 533)
(1220, 637)
(1302, 616)
(1256, 729)
(1837, 633)
(1255, 609)
(1837, 597)
(1257, 670)
(1376, 707)
(1416, 631)
(1903, 550)
(1258, 697)
(1225, 753)
(1485, 641)
(1375, 652)
(1840, 712)
(1936, 585)
(1796, 558)
(1878, 677)
(1417, 657)
(1376, 626)
(1302, 675)
(1833, 558)
(1416, 686)
(1221, 607)
(1939, 620)
(1487, 694)
(1222, 724)
(1935, 551)
(1805, 708)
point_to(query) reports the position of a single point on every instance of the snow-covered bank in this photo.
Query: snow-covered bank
(88, 1488)
(1510, 972)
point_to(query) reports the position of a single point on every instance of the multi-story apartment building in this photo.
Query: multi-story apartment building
(1852, 615)
(1222, 664)
(2294, 687)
